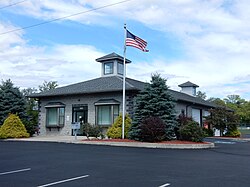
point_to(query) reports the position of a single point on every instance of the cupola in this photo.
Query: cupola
(188, 88)
(112, 64)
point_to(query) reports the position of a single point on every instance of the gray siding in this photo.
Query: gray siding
(89, 100)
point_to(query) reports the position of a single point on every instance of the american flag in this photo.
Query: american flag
(135, 41)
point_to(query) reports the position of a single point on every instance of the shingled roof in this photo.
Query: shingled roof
(112, 56)
(98, 85)
(113, 84)
(188, 84)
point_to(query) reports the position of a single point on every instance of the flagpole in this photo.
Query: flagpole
(124, 80)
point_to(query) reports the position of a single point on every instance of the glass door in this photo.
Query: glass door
(80, 114)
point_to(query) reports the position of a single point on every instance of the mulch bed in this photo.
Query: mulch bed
(128, 140)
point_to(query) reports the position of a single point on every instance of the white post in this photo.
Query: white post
(124, 86)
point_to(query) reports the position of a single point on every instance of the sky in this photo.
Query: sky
(206, 42)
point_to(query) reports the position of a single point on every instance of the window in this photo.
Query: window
(55, 117)
(120, 68)
(106, 114)
(108, 68)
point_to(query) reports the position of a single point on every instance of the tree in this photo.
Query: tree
(217, 101)
(31, 121)
(222, 119)
(244, 113)
(201, 95)
(234, 99)
(11, 101)
(154, 101)
(47, 86)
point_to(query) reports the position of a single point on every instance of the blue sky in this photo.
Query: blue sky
(205, 42)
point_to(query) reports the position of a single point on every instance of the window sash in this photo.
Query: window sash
(108, 68)
(55, 117)
(120, 68)
(106, 114)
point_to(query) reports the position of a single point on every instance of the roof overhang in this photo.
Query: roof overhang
(107, 102)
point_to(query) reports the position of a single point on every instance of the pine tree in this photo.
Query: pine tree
(154, 101)
(11, 101)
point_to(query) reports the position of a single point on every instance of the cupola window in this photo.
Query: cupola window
(108, 68)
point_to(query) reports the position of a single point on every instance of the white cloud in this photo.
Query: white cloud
(214, 34)
(29, 66)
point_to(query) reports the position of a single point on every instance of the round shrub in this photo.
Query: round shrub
(152, 129)
(233, 133)
(115, 131)
(13, 128)
(208, 132)
(92, 130)
(191, 132)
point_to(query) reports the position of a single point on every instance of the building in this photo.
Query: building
(99, 101)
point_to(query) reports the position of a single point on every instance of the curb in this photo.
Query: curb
(206, 145)
(153, 145)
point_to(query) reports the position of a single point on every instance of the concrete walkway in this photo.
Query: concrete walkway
(83, 140)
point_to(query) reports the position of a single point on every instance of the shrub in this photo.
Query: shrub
(115, 131)
(13, 128)
(191, 132)
(233, 133)
(92, 130)
(181, 120)
(208, 132)
(152, 129)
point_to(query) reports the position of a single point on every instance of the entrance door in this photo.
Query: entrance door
(80, 114)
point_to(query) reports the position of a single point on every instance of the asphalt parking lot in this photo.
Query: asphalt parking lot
(60, 164)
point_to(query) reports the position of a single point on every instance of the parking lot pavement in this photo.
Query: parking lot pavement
(225, 140)
(61, 164)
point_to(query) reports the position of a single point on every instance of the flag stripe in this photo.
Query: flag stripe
(135, 41)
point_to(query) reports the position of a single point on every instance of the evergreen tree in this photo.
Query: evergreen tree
(11, 101)
(154, 101)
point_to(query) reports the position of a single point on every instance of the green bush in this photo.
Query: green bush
(92, 130)
(152, 129)
(233, 133)
(115, 131)
(208, 132)
(13, 128)
(191, 132)
(181, 121)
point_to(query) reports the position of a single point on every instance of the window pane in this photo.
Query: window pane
(108, 68)
(61, 111)
(55, 116)
(52, 116)
(116, 112)
(61, 120)
(120, 68)
(104, 115)
(61, 116)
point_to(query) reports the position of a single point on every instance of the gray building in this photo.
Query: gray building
(99, 101)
